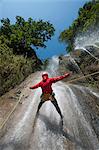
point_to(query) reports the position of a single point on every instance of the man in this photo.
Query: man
(47, 91)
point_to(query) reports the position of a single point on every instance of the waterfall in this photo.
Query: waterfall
(47, 134)
(53, 66)
(88, 38)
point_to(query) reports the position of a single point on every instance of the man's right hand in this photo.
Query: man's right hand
(67, 74)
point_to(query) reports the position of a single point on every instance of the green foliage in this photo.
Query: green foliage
(23, 36)
(13, 69)
(88, 16)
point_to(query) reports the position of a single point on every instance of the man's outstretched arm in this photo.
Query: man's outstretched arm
(55, 79)
(35, 86)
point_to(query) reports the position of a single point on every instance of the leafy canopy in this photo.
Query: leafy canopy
(23, 36)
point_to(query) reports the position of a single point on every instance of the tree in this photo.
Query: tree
(25, 36)
(88, 16)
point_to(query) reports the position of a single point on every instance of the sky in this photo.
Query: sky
(60, 13)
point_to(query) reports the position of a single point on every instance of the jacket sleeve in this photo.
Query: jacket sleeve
(55, 79)
(35, 86)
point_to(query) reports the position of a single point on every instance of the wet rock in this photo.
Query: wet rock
(68, 64)
(13, 97)
(26, 96)
(88, 103)
(18, 92)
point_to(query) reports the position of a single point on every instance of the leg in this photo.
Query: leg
(54, 102)
(36, 116)
(39, 106)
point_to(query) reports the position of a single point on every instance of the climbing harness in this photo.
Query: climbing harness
(47, 96)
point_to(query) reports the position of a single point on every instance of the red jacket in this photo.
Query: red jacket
(47, 86)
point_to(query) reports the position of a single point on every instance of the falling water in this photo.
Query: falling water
(88, 38)
(53, 65)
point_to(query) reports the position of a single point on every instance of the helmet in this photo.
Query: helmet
(44, 73)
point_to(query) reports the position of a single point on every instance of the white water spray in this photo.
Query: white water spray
(88, 38)
(53, 65)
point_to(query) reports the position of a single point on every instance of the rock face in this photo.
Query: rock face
(82, 63)
(89, 63)
(89, 102)
(37, 62)
(69, 64)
